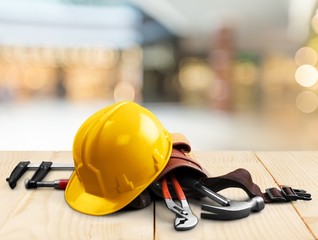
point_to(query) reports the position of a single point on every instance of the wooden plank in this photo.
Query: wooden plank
(299, 170)
(44, 214)
(276, 221)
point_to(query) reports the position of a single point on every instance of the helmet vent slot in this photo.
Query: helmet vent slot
(123, 184)
(158, 159)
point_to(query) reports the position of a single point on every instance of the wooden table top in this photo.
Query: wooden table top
(44, 214)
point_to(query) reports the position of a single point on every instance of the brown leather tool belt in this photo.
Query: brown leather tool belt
(183, 164)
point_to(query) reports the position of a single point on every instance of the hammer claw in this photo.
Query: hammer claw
(236, 209)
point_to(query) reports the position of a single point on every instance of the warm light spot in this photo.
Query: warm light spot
(306, 75)
(306, 55)
(195, 76)
(307, 101)
(35, 78)
(124, 91)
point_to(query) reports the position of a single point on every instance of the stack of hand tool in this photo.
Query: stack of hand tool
(137, 163)
(194, 185)
(186, 177)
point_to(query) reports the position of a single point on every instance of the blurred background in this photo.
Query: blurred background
(230, 75)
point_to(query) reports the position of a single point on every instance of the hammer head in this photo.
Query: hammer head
(236, 209)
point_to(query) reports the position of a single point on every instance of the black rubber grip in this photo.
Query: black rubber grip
(17, 172)
(42, 171)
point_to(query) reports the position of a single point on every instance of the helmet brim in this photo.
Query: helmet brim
(87, 203)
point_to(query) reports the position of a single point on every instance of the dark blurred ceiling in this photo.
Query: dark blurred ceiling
(258, 25)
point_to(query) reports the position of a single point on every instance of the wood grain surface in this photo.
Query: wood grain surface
(44, 213)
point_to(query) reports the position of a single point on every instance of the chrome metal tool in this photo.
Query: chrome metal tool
(229, 209)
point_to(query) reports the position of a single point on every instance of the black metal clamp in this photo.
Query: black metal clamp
(42, 170)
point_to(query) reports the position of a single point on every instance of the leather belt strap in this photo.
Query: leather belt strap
(240, 178)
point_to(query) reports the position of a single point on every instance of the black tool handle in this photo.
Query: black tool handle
(17, 172)
(42, 171)
(191, 182)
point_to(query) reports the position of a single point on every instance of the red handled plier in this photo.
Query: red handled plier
(185, 219)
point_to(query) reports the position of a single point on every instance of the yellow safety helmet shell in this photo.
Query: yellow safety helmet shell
(118, 152)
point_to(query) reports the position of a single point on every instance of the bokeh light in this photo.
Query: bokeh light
(306, 75)
(195, 76)
(306, 55)
(307, 101)
(124, 91)
(35, 78)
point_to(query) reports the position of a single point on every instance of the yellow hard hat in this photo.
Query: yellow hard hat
(118, 152)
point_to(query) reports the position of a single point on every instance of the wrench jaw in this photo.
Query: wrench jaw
(185, 219)
(184, 224)
(179, 211)
(236, 209)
